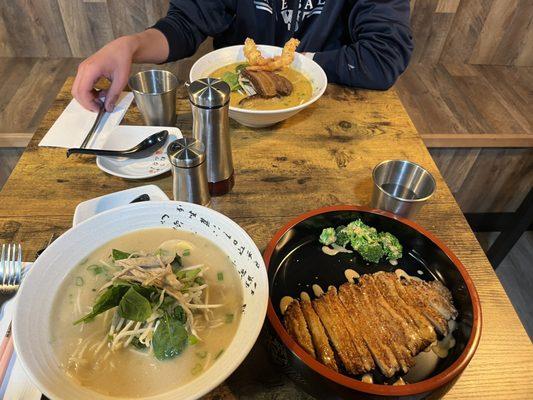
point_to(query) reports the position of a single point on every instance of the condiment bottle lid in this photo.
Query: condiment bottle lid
(186, 152)
(209, 93)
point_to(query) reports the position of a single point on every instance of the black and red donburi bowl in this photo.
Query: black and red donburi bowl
(295, 262)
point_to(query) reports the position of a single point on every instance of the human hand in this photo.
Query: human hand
(113, 61)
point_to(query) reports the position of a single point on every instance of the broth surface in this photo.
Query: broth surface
(129, 372)
(302, 91)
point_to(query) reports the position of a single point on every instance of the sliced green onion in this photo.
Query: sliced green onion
(96, 269)
(79, 281)
(220, 276)
(229, 318)
(196, 369)
(186, 252)
(192, 340)
(201, 354)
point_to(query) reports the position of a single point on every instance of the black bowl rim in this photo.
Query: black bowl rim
(428, 385)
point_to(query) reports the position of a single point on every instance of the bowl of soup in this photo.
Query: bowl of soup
(159, 300)
(308, 80)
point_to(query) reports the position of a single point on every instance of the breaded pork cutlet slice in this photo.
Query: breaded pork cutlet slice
(386, 283)
(410, 295)
(339, 336)
(297, 327)
(411, 338)
(352, 299)
(394, 339)
(437, 296)
(324, 352)
(364, 357)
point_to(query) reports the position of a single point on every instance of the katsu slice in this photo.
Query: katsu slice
(339, 336)
(359, 320)
(385, 282)
(410, 295)
(324, 352)
(394, 338)
(437, 296)
(297, 327)
(411, 337)
(364, 357)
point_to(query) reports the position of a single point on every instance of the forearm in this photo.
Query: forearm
(149, 46)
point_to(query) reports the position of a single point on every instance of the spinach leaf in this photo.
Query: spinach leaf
(170, 338)
(119, 255)
(232, 79)
(145, 291)
(176, 264)
(179, 314)
(188, 275)
(107, 300)
(134, 306)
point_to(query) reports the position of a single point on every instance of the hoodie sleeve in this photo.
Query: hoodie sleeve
(189, 22)
(380, 48)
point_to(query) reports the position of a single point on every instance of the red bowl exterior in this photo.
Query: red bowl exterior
(438, 383)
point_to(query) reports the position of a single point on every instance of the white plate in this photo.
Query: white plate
(124, 137)
(33, 319)
(97, 205)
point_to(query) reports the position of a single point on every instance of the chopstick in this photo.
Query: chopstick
(6, 352)
(99, 117)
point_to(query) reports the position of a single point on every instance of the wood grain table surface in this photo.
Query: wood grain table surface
(322, 156)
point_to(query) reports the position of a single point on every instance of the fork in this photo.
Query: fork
(11, 270)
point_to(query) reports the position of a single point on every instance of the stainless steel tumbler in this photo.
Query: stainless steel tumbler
(155, 95)
(187, 157)
(401, 187)
(209, 99)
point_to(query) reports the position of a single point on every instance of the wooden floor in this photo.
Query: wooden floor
(444, 102)
(516, 275)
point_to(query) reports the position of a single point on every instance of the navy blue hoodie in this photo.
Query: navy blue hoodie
(360, 43)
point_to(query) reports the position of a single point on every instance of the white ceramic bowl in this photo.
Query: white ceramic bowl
(206, 65)
(32, 318)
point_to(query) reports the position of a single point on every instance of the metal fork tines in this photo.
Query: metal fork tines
(10, 265)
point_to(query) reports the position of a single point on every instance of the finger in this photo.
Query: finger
(84, 92)
(117, 84)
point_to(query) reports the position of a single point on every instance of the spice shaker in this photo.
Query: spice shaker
(209, 99)
(187, 158)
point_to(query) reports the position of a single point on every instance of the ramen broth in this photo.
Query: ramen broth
(302, 91)
(129, 372)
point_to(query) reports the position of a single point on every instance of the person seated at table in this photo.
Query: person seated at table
(358, 43)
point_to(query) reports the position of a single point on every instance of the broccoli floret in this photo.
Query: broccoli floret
(327, 236)
(343, 236)
(371, 251)
(391, 245)
(365, 240)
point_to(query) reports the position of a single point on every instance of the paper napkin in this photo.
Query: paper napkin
(75, 122)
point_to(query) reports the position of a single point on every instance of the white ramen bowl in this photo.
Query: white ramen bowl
(206, 65)
(32, 319)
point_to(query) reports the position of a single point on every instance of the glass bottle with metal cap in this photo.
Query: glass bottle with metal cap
(187, 157)
(209, 99)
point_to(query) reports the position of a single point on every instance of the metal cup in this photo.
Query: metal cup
(155, 95)
(401, 187)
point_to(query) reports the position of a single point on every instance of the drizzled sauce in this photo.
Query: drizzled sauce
(305, 296)
(442, 347)
(284, 303)
(351, 275)
(317, 290)
(334, 250)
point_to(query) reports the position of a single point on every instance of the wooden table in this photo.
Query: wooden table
(322, 156)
